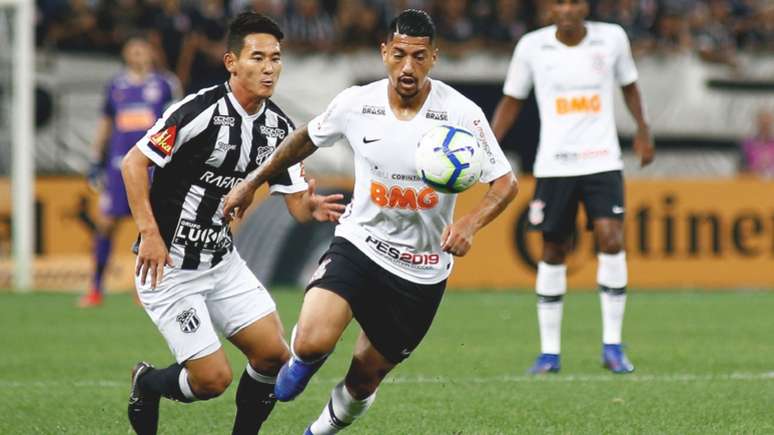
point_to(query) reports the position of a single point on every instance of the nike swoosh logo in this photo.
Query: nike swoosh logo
(370, 140)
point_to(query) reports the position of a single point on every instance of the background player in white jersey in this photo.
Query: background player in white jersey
(201, 147)
(388, 264)
(574, 67)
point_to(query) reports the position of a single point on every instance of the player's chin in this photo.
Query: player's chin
(407, 91)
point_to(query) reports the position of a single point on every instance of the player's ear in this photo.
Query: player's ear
(383, 50)
(229, 61)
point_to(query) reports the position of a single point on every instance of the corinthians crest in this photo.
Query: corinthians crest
(189, 321)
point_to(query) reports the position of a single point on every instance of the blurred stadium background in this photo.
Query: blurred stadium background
(701, 218)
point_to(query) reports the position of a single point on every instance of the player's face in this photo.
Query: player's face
(138, 55)
(408, 60)
(258, 66)
(569, 14)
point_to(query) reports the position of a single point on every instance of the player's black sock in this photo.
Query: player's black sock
(165, 382)
(254, 400)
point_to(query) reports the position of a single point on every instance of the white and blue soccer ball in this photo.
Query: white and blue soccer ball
(449, 159)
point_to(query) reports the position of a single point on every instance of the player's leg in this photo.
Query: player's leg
(201, 372)
(604, 199)
(102, 245)
(352, 397)
(263, 344)
(324, 316)
(553, 211)
(395, 314)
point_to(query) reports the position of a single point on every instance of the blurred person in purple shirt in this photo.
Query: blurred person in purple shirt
(758, 150)
(134, 99)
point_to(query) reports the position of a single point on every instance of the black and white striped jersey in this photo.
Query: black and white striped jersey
(202, 147)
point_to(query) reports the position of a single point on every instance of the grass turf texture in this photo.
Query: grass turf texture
(705, 364)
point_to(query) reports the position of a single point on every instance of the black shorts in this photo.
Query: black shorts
(395, 313)
(555, 205)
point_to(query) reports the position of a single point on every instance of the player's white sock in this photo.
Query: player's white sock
(551, 285)
(185, 387)
(612, 278)
(340, 411)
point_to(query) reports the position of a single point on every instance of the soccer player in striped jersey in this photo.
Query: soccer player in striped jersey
(575, 66)
(393, 252)
(190, 279)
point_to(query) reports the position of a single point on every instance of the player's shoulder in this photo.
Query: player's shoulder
(538, 37)
(196, 102)
(599, 29)
(452, 99)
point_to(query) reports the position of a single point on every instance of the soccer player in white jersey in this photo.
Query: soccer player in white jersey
(190, 279)
(392, 252)
(575, 66)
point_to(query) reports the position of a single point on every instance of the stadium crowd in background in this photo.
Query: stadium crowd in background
(189, 32)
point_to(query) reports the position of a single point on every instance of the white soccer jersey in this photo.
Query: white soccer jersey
(394, 218)
(574, 89)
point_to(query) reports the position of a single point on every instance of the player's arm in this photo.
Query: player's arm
(505, 115)
(296, 147)
(153, 254)
(643, 142)
(307, 205)
(457, 238)
(99, 150)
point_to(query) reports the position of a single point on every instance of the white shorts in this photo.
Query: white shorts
(188, 306)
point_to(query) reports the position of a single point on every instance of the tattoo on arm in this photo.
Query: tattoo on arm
(292, 150)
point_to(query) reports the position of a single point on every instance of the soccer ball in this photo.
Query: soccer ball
(448, 159)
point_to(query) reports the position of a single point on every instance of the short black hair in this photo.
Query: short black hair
(248, 23)
(412, 22)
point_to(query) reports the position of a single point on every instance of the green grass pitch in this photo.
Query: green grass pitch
(705, 364)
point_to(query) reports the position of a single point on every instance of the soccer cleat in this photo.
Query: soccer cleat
(545, 363)
(308, 431)
(614, 359)
(90, 300)
(293, 377)
(143, 406)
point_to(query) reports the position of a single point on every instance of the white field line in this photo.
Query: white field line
(424, 379)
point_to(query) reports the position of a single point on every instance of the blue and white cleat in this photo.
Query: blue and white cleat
(545, 363)
(293, 378)
(614, 359)
(308, 431)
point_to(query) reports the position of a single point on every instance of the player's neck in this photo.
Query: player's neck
(138, 75)
(406, 108)
(572, 37)
(250, 103)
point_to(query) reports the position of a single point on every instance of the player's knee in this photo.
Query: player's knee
(272, 361)
(610, 243)
(311, 345)
(212, 384)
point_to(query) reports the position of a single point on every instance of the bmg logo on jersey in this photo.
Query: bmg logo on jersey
(579, 104)
(205, 237)
(403, 197)
(405, 258)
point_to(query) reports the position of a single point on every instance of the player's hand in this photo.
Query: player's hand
(151, 258)
(324, 208)
(457, 238)
(643, 146)
(238, 200)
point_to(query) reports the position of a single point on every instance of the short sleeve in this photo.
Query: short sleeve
(495, 164)
(290, 181)
(518, 81)
(328, 127)
(625, 70)
(179, 124)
